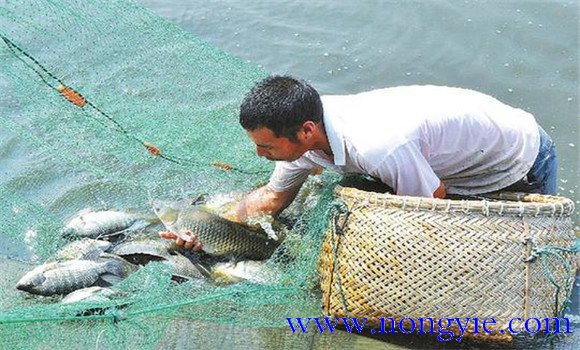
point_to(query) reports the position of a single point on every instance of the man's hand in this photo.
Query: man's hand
(192, 243)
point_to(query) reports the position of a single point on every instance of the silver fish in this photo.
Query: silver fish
(219, 237)
(99, 224)
(247, 270)
(65, 277)
(91, 295)
(84, 249)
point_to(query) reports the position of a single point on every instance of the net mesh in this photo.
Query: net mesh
(104, 105)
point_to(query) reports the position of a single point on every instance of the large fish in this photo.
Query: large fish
(219, 237)
(65, 277)
(103, 224)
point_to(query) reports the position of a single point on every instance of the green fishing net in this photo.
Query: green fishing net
(104, 105)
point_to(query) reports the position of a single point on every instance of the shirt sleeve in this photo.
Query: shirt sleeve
(290, 175)
(408, 172)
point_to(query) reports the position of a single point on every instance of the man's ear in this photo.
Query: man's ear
(308, 128)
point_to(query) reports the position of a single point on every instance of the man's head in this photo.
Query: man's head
(280, 114)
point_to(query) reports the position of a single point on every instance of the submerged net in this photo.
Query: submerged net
(106, 106)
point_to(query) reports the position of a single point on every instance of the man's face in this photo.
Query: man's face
(276, 148)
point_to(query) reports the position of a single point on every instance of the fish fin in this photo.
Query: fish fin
(202, 198)
(107, 280)
(92, 255)
(129, 229)
(180, 278)
(110, 235)
(114, 267)
(204, 269)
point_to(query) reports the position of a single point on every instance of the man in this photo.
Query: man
(420, 140)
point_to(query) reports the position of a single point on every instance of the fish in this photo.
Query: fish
(219, 236)
(91, 295)
(64, 277)
(126, 268)
(142, 252)
(184, 269)
(84, 249)
(104, 224)
(246, 270)
(89, 299)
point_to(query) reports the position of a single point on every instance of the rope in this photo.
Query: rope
(555, 251)
(544, 252)
(113, 314)
(336, 210)
(80, 101)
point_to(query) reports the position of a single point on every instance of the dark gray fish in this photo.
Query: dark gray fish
(185, 269)
(144, 251)
(220, 237)
(109, 279)
(141, 252)
(65, 277)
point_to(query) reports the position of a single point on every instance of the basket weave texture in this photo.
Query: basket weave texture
(508, 255)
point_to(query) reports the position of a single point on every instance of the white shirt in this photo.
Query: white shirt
(412, 137)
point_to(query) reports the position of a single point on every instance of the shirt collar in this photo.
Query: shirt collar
(335, 139)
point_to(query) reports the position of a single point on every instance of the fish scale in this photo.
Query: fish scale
(219, 237)
(74, 275)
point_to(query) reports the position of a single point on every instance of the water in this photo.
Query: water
(524, 53)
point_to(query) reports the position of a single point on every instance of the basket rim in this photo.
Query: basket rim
(500, 203)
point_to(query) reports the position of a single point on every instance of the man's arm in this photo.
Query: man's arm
(262, 201)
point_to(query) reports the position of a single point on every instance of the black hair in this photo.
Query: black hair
(281, 104)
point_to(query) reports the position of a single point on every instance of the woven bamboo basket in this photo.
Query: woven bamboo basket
(503, 256)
